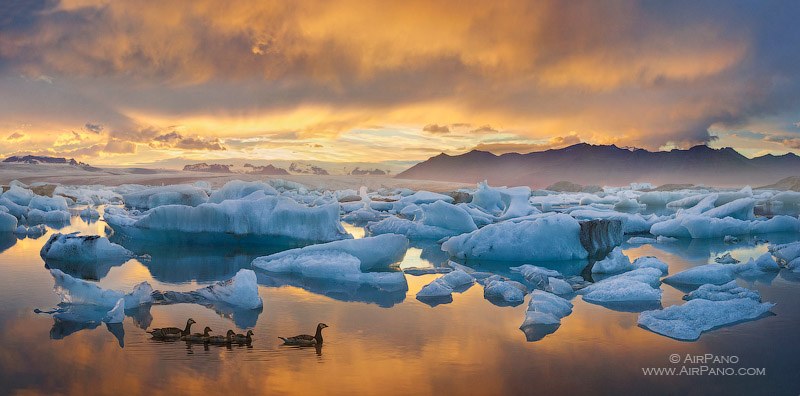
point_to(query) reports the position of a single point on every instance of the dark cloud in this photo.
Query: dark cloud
(168, 137)
(15, 136)
(436, 128)
(95, 128)
(199, 144)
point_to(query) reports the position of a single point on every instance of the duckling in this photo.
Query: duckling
(244, 338)
(173, 333)
(220, 340)
(198, 337)
(305, 339)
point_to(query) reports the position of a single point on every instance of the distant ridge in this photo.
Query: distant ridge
(41, 159)
(610, 165)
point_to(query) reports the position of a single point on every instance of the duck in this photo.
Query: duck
(244, 338)
(198, 337)
(305, 339)
(172, 332)
(221, 340)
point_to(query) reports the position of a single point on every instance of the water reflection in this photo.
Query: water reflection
(385, 295)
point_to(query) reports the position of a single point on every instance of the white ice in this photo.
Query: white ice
(614, 263)
(239, 291)
(546, 309)
(82, 248)
(446, 284)
(79, 291)
(547, 238)
(726, 291)
(237, 189)
(370, 252)
(177, 194)
(651, 262)
(688, 321)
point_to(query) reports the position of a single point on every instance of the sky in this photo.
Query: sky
(137, 81)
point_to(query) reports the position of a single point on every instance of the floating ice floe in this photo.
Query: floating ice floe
(90, 213)
(537, 276)
(546, 309)
(179, 194)
(558, 286)
(614, 263)
(716, 274)
(82, 248)
(547, 238)
(787, 254)
(688, 321)
(726, 291)
(240, 291)
(254, 219)
(501, 291)
(444, 286)
(640, 240)
(36, 216)
(639, 285)
(651, 262)
(377, 252)
(730, 239)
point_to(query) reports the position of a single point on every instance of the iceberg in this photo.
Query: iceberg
(688, 321)
(179, 194)
(376, 252)
(786, 253)
(545, 309)
(504, 203)
(48, 204)
(503, 292)
(558, 286)
(632, 223)
(446, 284)
(89, 213)
(79, 291)
(616, 262)
(599, 237)
(239, 291)
(651, 262)
(116, 314)
(36, 216)
(548, 238)
(254, 219)
(537, 276)
(726, 259)
(19, 195)
(237, 189)
(716, 274)
(82, 248)
(8, 223)
(621, 289)
(726, 291)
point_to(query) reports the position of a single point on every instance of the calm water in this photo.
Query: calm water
(378, 343)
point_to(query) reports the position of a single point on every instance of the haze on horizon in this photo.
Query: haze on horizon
(132, 82)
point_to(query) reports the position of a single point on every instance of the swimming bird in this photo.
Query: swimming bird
(305, 339)
(173, 332)
(198, 337)
(244, 338)
(221, 340)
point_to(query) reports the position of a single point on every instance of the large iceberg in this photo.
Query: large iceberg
(548, 238)
(82, 248)
(253, 219)
(180, 194)
(688, 321)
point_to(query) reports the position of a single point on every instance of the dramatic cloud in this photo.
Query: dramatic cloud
(635, 73)
(513, 147)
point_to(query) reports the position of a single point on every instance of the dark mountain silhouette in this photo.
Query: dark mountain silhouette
(610, 165)
(40, 159)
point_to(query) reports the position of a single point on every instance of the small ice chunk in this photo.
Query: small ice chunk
(614, 263)
(82, 248)
(726, 259)
(622, 289)
(716, 274)
(240, 291)
(651, 262)
(730, 239)
(727, 291)
(558, 286)
(36, 216)
(688, 321)
(535, 275)
(763, 263)
(90, 213)
(505, 292)
(546, 309)
(641, 240)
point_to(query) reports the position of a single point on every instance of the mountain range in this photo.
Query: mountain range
(608, 165)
